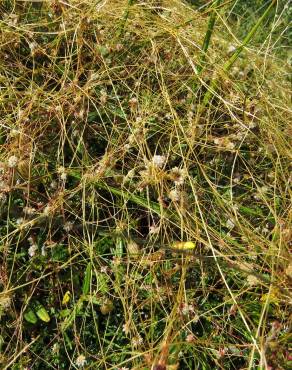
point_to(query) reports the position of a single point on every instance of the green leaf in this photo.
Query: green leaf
(87, 279)
(30, 316)
(42, 313)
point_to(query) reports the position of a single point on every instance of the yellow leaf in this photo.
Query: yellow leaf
(272, 296)
(184, 245)
(66, 298)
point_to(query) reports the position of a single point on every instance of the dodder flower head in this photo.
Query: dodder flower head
(252, 280)
(68, 226)
(174, 195)
(186, 308)
(80, 361)
(62, 173)
(12, 161)
(136, 341)
(178, 175)
(159, 160)
(32, 250)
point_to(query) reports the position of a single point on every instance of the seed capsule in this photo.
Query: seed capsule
(106, 307)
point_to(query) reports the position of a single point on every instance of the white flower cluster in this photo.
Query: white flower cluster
(159, 160)
(33, 247)
(187, 308)
(62, 173)
(174, 195)
(224, 143)
(178, 175)
(80, 361)
(68, 226)
(12, 161)
(252, 280)
(136, 341)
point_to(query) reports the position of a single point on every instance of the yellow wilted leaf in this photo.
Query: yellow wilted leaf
(184, 245)
(273, 296)
(66, 298)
